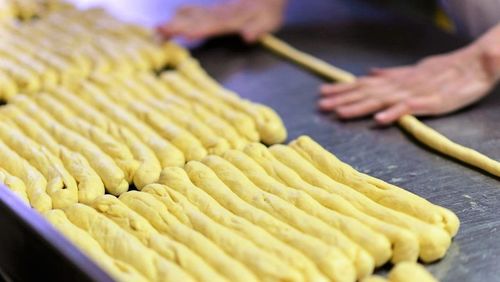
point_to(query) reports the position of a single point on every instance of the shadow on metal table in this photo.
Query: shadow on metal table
(377, 39)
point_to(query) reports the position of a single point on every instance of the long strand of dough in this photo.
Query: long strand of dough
(266, 266)
(117, 269)
(176, 179)
(329, 259)
(153, 210)
(410, 124)
(305, 60)
(440, 143)
(123, 246)
(375, 243)
(138, 226)
(288, 213)
(394, 197)
(404, 243)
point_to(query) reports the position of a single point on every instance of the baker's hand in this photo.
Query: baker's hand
(436, 85)
(249, 18)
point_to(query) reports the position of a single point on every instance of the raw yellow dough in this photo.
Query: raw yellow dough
(434, 241)
(440, 143)
(375, 243)
(123, 246)
(166, 100)
(410, 272)
(149, 168)
(116, 150)
(168, 154)
(176, 179)
(384, 194)
(181, 116)
(33, 180)
(138, 226)
(155, 212)
(26, 79)
(220, 126)
(61, 186)
(450, 219)
(269, 124)
(15, 184)
(8, 88)
(190, 146)
(182, 139)
(404, 243)
(329, 259)
(265, 266)
(241, 122)
(288, 213)
(112, 176)
(28, 126)
(117, 269)
(320, 67)
(374, 278)
(89, 183)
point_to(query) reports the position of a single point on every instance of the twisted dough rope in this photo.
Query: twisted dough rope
(409, 123)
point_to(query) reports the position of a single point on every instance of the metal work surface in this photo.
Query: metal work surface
(384, 153)
(32, 250)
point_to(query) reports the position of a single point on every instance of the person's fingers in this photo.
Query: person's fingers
(336, 88)
(392, 114)
(332, 102)
(253, 31)
(187, 10)
(424, 105)
(258, 25)
(182, 22)
(392, 71)
(359, 109)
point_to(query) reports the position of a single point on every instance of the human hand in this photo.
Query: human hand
(249, 18)
(436, 85)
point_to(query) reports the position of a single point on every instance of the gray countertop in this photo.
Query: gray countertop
(388, 153)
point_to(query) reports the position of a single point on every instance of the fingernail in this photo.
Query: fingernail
(381, 118)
